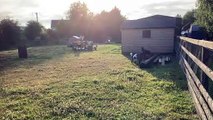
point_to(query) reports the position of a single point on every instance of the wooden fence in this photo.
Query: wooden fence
(193, 60)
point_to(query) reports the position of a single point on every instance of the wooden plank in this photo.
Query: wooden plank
(202, 43)
(202, 66)
(198, 107)
(199, 96)
(148, 60)
(199, 85)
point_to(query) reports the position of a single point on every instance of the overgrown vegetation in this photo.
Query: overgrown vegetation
(33, 30)
(188, 19)
(202, 16)
(10, 34)
(57, 83)
(13, 36)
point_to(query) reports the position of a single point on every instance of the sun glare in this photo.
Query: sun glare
(56, 9)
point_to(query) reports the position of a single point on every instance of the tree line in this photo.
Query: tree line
(202, 16)
(95, 27)
(12, 35)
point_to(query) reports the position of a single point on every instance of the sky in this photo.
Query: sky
(24, 10)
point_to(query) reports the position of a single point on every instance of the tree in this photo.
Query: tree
(77, 11)
(115, 21)
(33, 30)
(52, 36)
(204, 15)
(108, 23)
(10, 33)
(80, 17)
(99, 28)
(63, 28)
(189, 18)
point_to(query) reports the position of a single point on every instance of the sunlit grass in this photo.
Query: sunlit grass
(57, 83)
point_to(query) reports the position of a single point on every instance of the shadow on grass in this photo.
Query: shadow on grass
(170, 72)
(36, 55)
(173, 72)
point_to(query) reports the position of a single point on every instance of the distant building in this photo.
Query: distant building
(55, 23)
(155, 33)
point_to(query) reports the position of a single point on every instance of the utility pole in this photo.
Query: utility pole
(36, 16)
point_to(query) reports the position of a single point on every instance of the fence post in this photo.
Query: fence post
(205, 57)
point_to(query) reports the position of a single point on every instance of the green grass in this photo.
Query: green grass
(57, 83)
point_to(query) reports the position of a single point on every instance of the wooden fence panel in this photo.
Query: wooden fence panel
(198, 107)
(198, 93)
(203, 101)
(199, 85)
(202, 66)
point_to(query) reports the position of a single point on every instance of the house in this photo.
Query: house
(155, 34)
(55, 23)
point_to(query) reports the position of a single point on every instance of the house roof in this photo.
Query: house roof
(156, 21)
(55, 23)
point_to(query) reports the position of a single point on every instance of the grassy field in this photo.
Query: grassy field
(57, 83)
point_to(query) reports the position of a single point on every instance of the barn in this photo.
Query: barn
(155, 34)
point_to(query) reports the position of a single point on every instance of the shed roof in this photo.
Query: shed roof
(54, 23)
(156, 21)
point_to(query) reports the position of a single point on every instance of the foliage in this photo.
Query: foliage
(52, 36)
(80, 17)
(189, 18)
(58, 83)
(98, 28)
(10, 33)
(204, 15)
(109, 24)
(77, 11)
(33, 30)
(64, 28)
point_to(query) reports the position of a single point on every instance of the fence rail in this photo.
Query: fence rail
(202, 43)
(191, 53)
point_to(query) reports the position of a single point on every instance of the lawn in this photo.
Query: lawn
(58, 83)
